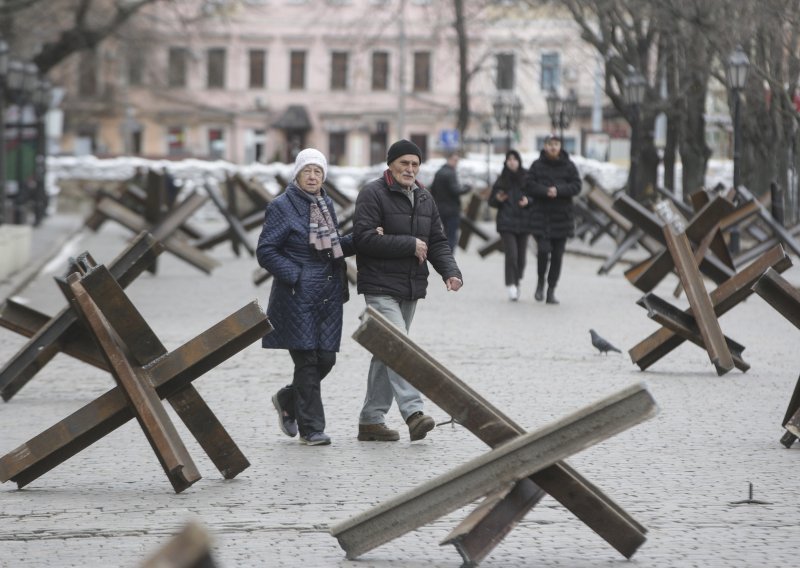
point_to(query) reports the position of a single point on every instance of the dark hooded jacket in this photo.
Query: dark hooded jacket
(511, 218)
(553, 218)
(305, 304)
(386, 263)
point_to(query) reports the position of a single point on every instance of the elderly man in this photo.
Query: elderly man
(393, 275)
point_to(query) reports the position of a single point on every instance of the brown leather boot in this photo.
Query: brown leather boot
(419, 425)
(377, 433)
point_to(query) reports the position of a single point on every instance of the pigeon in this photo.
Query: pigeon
(602, 345)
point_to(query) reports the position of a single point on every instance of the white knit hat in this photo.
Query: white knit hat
(310, 156)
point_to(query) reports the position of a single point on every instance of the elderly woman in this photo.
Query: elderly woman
(300, 246)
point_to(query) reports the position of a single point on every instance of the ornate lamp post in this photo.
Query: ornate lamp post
(561, 111)
(3, 75)
(21, 80)
(736, 76)
(507, 114)
(41, 104)
(633, 89)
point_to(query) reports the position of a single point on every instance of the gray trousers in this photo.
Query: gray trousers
(383, 384)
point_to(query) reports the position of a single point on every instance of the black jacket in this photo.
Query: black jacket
(386, 263)
(553, 218)
(511, 218)
(447, 191)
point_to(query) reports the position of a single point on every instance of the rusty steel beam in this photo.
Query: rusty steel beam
(483, 529)
(61, 333)
(236, 230)
(516, 459)
(169, 375)
(164, 231)
(699, 300)
(141, 397)
(779, 294)
(492, 427)
(685, 325)
(724, 298)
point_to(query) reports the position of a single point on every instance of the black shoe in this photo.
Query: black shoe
(316, 439)
(551, 296)
(539, 295)
(287, 424)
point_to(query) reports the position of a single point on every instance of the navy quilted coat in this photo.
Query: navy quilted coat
(386, 263)
(305, 304)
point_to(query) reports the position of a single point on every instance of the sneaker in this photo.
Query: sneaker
(316, 439)
(513, 293)
(419, 425)
(287, 424)
(377, 433)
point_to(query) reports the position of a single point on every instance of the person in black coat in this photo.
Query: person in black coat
(300, 246)
(514, 221)
(393, 275)
(551, 183)
(447, 192)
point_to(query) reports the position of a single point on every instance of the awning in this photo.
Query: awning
(294, 118)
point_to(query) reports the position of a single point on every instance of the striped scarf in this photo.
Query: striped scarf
(322, 233)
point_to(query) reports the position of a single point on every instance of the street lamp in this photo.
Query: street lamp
(561, 111)
(736, 75)
(633, 91)
(3, 74)
(41, 104)
(21, 80)
(507, 113)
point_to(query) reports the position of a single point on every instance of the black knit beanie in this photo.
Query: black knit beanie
(401, 148)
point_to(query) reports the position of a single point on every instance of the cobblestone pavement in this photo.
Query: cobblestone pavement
(677, 474)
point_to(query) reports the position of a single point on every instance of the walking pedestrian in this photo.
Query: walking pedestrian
(514, 220)
(393, 275)
(551, 183)
(300, 246)
(447, 192)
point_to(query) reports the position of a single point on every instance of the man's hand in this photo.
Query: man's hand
(523, 201)
(552, 192)
(454, 284)
(422, 251)
(501, 196)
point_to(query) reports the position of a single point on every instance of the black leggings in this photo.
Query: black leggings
(515, 246)
(303, 398)
(552, 251)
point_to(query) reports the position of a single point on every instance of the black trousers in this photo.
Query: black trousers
(549, 251)
(303, 398)
(515, 246)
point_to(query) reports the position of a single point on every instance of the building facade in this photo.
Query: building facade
(258, 80)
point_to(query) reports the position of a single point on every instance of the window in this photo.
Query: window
(258, 68)
(175, 141)
(216, 143)
(337, 148)
(505, 71)
(339, 71)
(380, 71)
(421, 140)
(215, 71)
(178, 57)
(422, 71)
(297, 70)
(551, 70)
(87, 74)
(135, 67)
